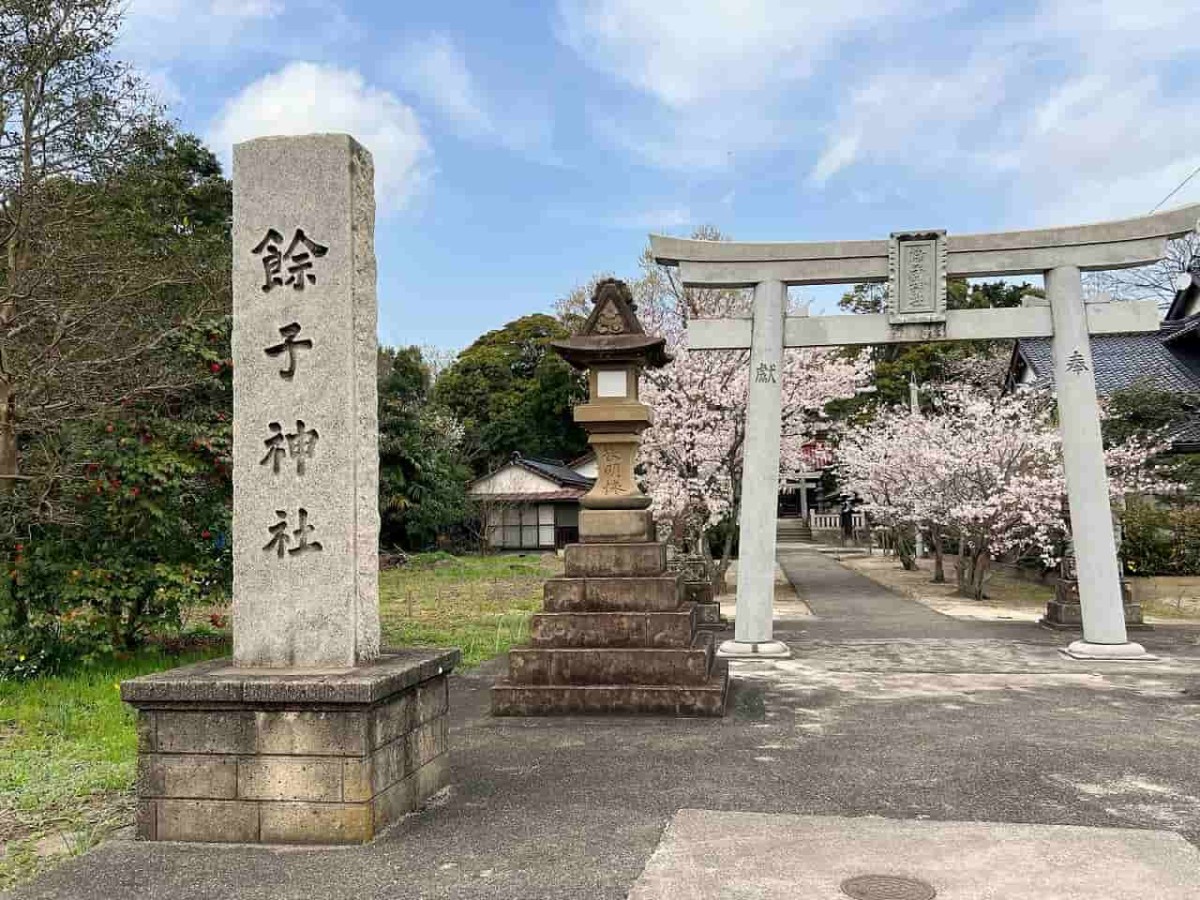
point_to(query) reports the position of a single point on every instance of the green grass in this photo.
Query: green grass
(67, 758)
(480, 604)
(68, 750)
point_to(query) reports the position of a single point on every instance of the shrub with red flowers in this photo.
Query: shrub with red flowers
(145, 533)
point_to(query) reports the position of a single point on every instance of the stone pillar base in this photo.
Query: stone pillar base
(616, 635)
(621, 526)
(754, 650)
(708, 610)
(285, 756)
(1114, 652)
(1064, 612)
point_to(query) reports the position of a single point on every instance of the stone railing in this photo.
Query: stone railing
(832, 521)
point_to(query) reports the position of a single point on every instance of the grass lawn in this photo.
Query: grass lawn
(67, 761)
(67, 743)
(481, 604)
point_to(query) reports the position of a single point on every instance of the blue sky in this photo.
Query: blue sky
(522, 147)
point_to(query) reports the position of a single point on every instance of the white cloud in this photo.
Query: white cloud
(912, 114)
(720, 80)
(246, 9)
(661, 219)
(1074, 117)
(305, 97)
(688, 53)
(1052, 106)
(160, 31)
(435, 70)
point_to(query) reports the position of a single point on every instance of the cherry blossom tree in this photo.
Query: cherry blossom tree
(691, 457)
(985, 472)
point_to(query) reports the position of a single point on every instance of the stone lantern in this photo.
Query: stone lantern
(617, 632)
(613, 348)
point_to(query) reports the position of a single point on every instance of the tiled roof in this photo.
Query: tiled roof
(1186, 434)
(554, 470)
(1120, 360)
(1187, 326)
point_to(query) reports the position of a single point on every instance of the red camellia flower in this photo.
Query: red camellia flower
(206, 534)
(214, 367)
(20, 548)
(133, 492)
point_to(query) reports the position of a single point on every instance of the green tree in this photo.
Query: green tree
(1150, 413)
(896, 365)
(72, 117)
(121, 514)
(422, 489)
(511, 391)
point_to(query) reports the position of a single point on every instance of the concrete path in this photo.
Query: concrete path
(850, 605)
(709, 855)
(887, 710)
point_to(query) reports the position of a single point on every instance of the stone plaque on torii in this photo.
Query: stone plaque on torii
(915, 266)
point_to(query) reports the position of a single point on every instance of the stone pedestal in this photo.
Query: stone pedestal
(241, 755)
(708, 610)
(616, 636)
(1065, 613)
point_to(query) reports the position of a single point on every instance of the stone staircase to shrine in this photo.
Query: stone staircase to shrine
(616, 636)
(793, 531)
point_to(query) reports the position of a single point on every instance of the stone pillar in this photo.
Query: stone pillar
(1104, 635)
(305, 438)
(310, 734)
(760, 481)
(804, 500)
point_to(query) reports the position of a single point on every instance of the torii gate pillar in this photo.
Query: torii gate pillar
(760, 482)
(1104, 634)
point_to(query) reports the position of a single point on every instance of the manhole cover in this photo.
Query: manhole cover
(887, 887)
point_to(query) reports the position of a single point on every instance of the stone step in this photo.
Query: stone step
(584, 560)
(616, 665)
(793, 530)
(696, 700)
(647, 593)
(613, 629)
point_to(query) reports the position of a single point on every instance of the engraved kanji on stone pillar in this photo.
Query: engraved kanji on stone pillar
(306, 462)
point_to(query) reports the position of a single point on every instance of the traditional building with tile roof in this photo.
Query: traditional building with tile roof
(1166, 360)
(533, 504)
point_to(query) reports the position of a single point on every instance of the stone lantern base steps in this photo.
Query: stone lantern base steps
(616, 636)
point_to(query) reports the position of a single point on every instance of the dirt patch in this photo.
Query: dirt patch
(1008, 598)
(787, 603)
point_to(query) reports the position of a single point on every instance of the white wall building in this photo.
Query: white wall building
(533, 504)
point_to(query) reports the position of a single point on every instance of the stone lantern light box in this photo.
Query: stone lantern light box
(613, 348)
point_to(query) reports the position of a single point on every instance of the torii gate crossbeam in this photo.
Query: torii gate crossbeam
(915, 265)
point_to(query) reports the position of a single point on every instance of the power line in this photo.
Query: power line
(1178, 187)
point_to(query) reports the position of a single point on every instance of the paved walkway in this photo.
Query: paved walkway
(888, 709)
(849, 605)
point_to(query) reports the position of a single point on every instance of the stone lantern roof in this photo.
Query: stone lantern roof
(612, 333)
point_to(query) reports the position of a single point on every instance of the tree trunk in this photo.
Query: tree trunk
(723, 563)
(8, 400)
(8, 431)
(960, 567)
(979, 570)
(939, 568)
(905, 549)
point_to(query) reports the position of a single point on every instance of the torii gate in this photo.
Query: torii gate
(915, 266)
